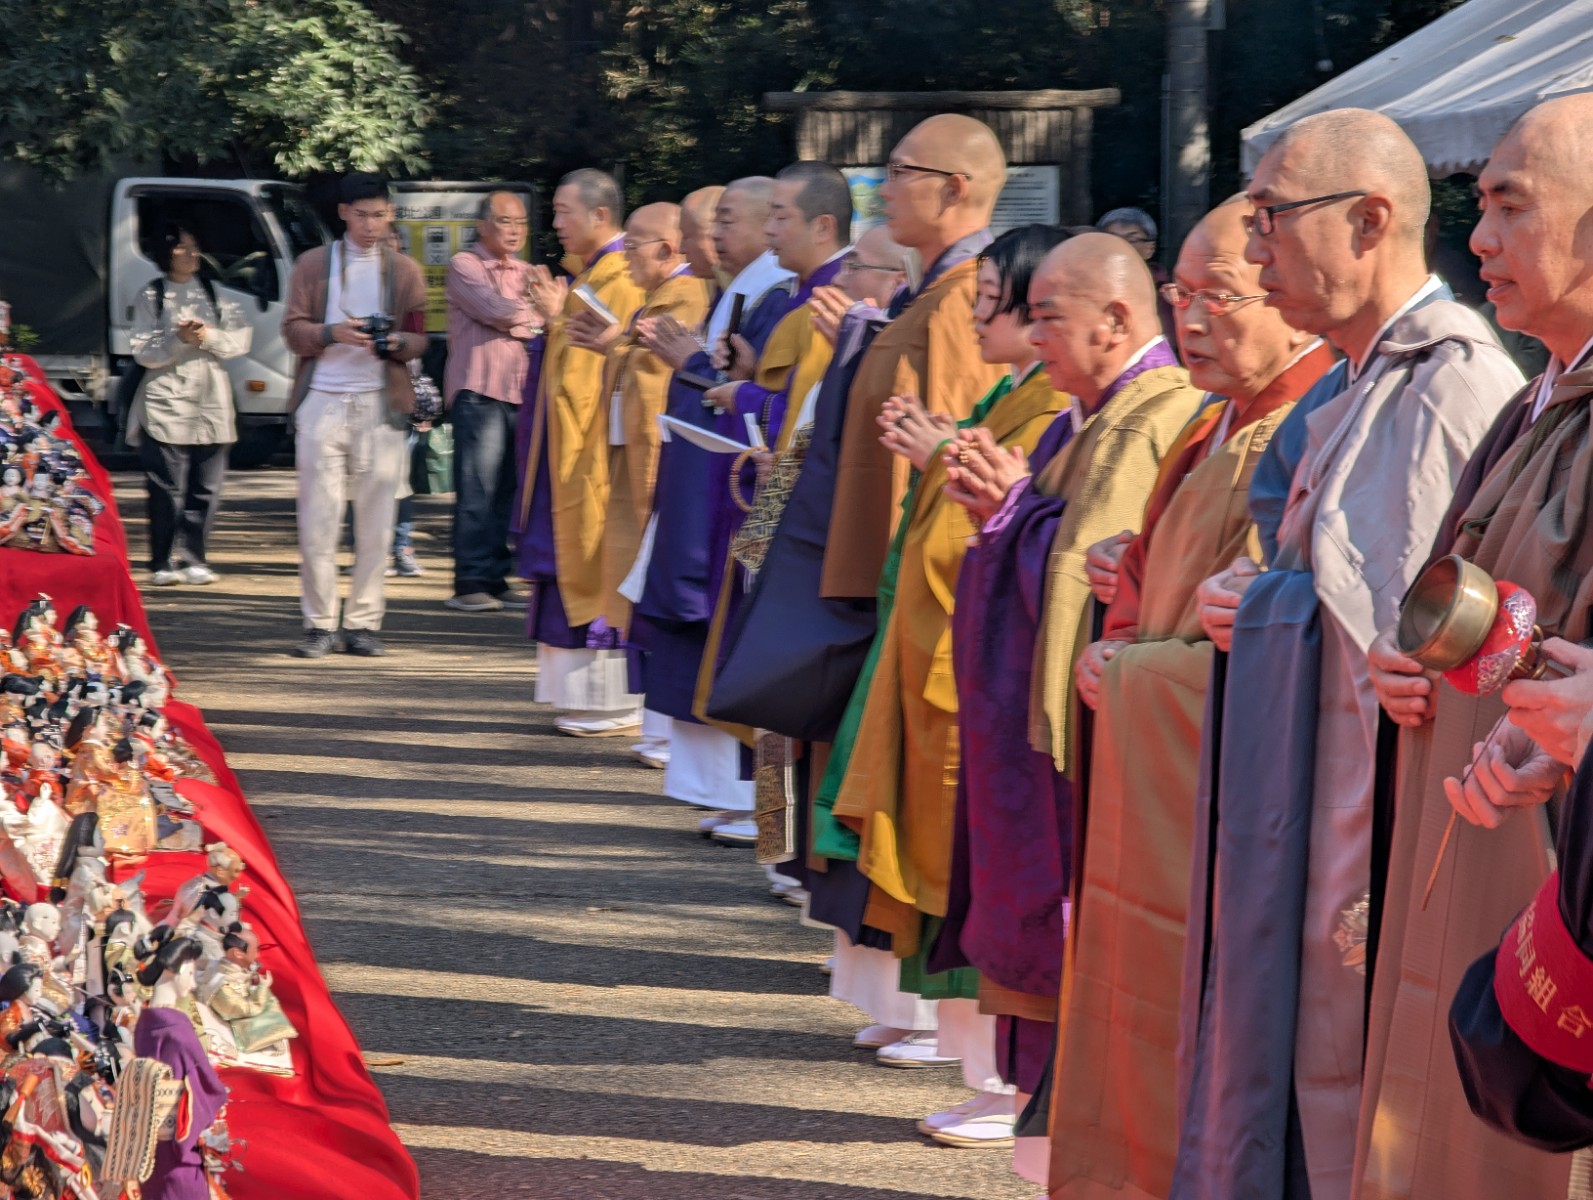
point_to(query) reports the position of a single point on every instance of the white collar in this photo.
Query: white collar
(352, 251)
(1552, 372)
(1139, 354)
(1427, 289)
(1028, 373)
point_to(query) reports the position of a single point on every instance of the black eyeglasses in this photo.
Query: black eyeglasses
(895, 170)
(1216, 303)
(1265, 219)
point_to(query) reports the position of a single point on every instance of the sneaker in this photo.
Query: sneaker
(317, 643)
(406, 564)
(200, 574)
(736, 833)
(513, 600)
(363, 642)
(918, 1049)
(474, 602)
(166, 577)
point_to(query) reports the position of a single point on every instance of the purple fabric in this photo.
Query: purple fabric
(168, 1035)
(768, 405)
(1023, 1051)
(696, 521)
(1012, 832)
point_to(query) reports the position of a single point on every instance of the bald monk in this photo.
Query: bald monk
(1520, 514)
(692, 500)
(809, 230)
(637, 383)
(697, 234)
(942, 182)
(1146, 678)
(564, 499)
(1275, 988)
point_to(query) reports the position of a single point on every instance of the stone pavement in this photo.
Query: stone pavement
(579, 998)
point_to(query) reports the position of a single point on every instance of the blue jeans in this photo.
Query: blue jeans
(484, 487)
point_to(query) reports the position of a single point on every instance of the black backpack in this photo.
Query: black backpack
(121, 401)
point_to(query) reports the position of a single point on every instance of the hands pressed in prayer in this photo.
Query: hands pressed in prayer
(1100, 565)
(668, 339)
(1513, 772)
(1219, 599)
(1404, 687)
(192, 332)
(912, 431)
(1552, 711)
(735, 356)
(547, 293)
(1091, 664)
(980, 474)
(588, 331)
(826, 307)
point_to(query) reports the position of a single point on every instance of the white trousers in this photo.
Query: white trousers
(704, 769)
(345, 450)
(593, 682)
(871, 980)
(970, 1035)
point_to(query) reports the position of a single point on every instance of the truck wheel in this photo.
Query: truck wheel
(256, 446)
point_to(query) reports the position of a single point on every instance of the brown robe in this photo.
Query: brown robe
(926, 352)
(1527, 522)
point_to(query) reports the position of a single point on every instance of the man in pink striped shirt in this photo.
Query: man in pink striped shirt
(490, 318)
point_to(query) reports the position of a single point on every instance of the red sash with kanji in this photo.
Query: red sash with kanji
(1544, 983)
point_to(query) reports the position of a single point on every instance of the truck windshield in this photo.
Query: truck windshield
(297, 220)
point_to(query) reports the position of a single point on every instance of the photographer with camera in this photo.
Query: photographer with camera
(352, 396)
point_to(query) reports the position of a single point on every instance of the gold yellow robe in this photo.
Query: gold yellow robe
(900, 789)
(1114, 1103)
(642, 380)
(571, 420)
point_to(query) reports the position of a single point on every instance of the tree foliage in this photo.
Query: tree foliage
(308, 85)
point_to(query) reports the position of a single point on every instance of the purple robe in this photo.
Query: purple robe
(168, 1035)
(669, 626)
(1012, 834)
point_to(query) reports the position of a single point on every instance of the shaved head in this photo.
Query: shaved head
(961, 171)
(1355, 149)
(697, 230)
(1239, 350)
(652, 244)
(1535, 236)
(1105, 269)
(1341, 245)
(869, 284)
(1093, 303)
(739, 218)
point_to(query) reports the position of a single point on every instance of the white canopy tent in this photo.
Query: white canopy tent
(1454, 86)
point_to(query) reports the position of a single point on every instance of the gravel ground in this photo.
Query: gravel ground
(587, 1000)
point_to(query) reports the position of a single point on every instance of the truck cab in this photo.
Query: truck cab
(250, 232)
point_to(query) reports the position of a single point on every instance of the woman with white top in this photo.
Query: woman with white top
(182, 417)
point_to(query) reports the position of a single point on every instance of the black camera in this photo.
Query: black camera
(379, 328)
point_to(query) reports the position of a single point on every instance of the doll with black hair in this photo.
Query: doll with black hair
(165, 1032)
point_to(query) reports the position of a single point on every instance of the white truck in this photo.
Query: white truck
(75, 259)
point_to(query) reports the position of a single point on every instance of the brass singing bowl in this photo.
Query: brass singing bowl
(1447, 614)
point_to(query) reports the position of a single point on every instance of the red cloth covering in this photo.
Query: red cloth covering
(1542, 981)
(323, 1133)
(100, 580)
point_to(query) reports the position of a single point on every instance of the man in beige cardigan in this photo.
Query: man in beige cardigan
(351, 398)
